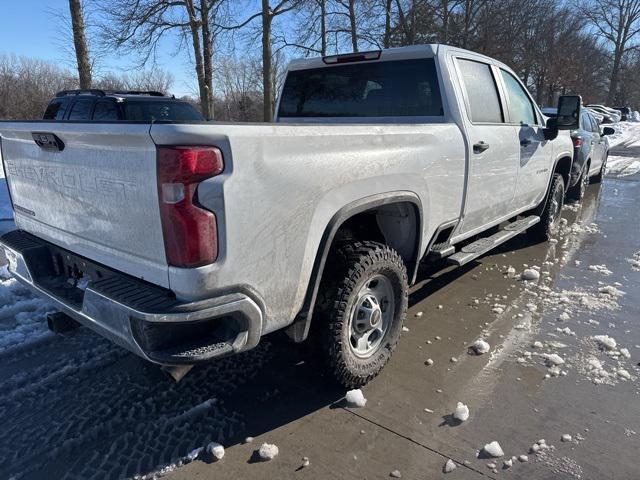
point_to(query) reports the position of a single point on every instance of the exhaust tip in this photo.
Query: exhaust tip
(176, 373)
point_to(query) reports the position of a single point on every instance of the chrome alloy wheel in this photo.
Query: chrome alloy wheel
(371, 316)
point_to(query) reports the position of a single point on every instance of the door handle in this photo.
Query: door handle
(525, 142)
(480, 147)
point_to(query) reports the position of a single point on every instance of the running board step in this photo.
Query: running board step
(441, 250)
(483, 245)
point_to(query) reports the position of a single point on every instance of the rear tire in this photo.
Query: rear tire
(544, 229)
(365, 296)
(576, 193)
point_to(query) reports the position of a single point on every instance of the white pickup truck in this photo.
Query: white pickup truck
(187, 241)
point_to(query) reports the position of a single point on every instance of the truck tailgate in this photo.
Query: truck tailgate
(95, 194)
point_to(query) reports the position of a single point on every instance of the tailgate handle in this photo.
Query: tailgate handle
(48, 141)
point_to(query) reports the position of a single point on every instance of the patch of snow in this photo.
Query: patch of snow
(216, 450)
(553, 359)
(355, 398)
(622, 166)
(600, 269)
(493, 449)
(566, 437)
(461, 412)
(450, 466)
(268, 451)
(605, 342)
(395, 474)
(624, 374)
(523, 458)
(480, 347)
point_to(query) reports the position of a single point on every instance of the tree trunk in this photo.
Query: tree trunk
(387, 24)
(445, 22)
(266, 61)
(615, 72)
(207, 46)
(352, 21)
(197, 54)
(323, 27)
(80, 44)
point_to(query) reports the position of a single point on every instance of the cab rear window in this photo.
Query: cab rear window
(379, 89)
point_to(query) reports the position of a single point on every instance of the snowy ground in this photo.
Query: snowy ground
(75, 406)
(624, 158)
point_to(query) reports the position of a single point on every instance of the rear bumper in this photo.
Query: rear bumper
(141, 317)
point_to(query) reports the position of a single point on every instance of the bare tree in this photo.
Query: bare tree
(27, 85)
(618, 22)
(80, 43)
(140, 26)
(268, 14)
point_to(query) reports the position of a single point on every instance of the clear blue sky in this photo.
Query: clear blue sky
(30, 28)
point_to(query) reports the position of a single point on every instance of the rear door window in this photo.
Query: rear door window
(81, 110)
(152, 111)
(105, 111)
(399, 88)
(482, 92)
(56, 109)
(521, 109)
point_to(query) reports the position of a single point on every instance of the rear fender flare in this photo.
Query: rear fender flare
(299, 329)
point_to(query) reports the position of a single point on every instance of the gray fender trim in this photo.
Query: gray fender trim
(299, 329)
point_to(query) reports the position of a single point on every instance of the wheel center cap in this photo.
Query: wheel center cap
(375, 317)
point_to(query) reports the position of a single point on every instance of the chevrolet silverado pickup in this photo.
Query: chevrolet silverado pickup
(187, 241)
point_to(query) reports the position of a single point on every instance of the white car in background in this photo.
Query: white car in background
(598, 116)
(614, 115)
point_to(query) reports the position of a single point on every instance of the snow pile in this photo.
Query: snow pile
(493, 449)
(566, 437)
(268, 451)
(216, 450)
(461, 412)
(480, 347)
(355, 398)
(635, 261)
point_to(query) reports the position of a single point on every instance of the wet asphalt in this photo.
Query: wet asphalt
(75, 406)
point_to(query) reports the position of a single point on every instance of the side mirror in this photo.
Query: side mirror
(569, 112)
(608, 131)
(551, 132)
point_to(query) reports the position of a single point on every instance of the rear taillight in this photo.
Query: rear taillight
(190, 231)
(577, 142)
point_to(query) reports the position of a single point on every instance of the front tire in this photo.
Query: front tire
(550, 215)
(365, 296)
(576, 193)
